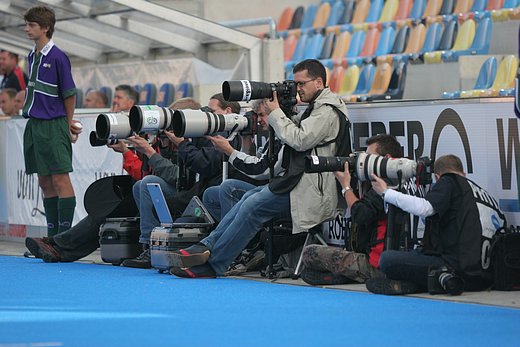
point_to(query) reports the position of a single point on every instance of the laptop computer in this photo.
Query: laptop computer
(194, 209)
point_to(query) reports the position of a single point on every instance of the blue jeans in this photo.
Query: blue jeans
(145, 205)
(220, 199)
(242, 222)
(408, 266)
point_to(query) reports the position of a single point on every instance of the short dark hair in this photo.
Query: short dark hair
(447, 163)
(235, 106)
(386, 145)
(314, 69)
(11, 54)
(43, 15)
(130, 92)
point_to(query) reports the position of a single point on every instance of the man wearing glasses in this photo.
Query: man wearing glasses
(308, 198)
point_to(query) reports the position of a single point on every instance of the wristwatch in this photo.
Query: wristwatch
(344, 190)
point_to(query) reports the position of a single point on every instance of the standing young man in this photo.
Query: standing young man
(49, 105)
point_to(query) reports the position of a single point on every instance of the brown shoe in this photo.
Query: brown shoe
(42, 248)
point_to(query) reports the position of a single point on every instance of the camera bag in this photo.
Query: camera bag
(505, 259)
(119, 239)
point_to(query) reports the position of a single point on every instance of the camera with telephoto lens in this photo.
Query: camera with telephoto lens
(363, 165)
(150, 119)
(198, 123)
(443, 281)
(245, 90)
(112, 126)
(95, 141)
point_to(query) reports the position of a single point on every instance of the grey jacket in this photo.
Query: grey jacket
(310, 206)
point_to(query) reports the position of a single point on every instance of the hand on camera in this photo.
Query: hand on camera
(343, 176)
(221, 144)
(273, 104)
(119, 147)
(141, 145)
(378, 184)
(174, 139)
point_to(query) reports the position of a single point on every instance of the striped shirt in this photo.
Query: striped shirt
(50, 83)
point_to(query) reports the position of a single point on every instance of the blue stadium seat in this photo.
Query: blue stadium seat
(480, 44)
(328, 45)
(313, 47)
(485, 78)
(417, 9)
(479, 5)
(447, 7)
(166, 95)
(348, 12)
(336, 12)
(376, 7)
(184, 90)
(366, 78)
(309, 15)
(148, 94)
(356, 44)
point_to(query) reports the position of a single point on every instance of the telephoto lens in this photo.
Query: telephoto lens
(245, 90)
(113, 126)
(95, 141)
(150, 118)
(197, 123)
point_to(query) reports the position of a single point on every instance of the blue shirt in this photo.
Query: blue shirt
(50, 83)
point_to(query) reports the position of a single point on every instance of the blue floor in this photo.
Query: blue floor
(75, 304)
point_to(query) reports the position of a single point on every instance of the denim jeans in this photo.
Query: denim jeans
(145, 204)
(408, 266)
(220, 199)
(241, 224)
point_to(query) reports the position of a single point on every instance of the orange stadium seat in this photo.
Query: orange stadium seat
(285, 19)
(322, 16)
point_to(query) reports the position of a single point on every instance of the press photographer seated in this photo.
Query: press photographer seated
(460, 216)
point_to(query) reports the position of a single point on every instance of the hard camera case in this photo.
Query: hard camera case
(194, 225)
(119, 239)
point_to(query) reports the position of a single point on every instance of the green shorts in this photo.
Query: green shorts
(46, 146)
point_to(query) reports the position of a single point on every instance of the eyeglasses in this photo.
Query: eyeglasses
(302, 83)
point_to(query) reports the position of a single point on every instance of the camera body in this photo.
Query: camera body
(245, 90)
(444, 281)
(363, 165)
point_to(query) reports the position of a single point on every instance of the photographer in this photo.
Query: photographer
(452, 238)
(308, 198)
(325, 265)
(220, 199)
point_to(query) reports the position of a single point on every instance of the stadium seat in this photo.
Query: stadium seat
(322, 16)
(478, 5)
(356, 44)
(328, 45)
(366, 77)
(289, 45)
(348, 12)
(433, 38)
(398, 46)
(369, 46)
(336, 12)
(494, 5)
(360, 12)
(184, 90)
(432, 8)
(148, 94)
(414, 45)
(462, 42)
(298, 52)
(397, 83)
(138, 88)
(285, 19)
(417, 9)
(404, 10)
(480, 44)
(336, 77)
(504, 79)
(296, 21)
(389, 11)
(379, 84)
(309, 16)
(374, 13)
(108, 92)
(386, 41)
(447, 7)
(462, 6)
(313, 46)
(340, 50)
(350, 81)
(485, 78)
(166, 95)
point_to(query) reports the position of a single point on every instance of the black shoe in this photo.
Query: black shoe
(320, 278)
(199, 271)
(194, 255)
(381, 285)
(143, 261)
(43, 248)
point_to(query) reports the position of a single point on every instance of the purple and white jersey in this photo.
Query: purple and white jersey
(50, 83)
